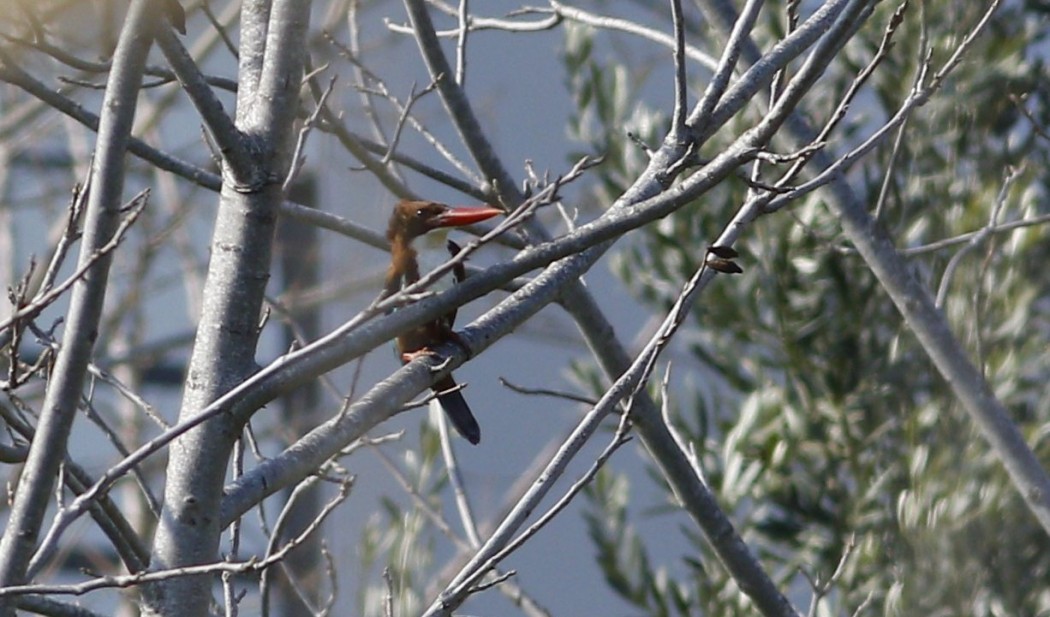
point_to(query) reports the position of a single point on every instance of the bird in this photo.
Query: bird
(411, 220)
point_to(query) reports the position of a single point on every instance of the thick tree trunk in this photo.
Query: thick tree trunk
(224, 351)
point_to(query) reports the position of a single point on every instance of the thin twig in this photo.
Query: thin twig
(486, 23)
(916, 98)
(455, 480)
(228, 590)
(569, 396)
(250, 565)
(134, 208)
(969, 236)
(221, 126)
(78, 63)
(463, 19)
(468, 584)
(405, 113)
(745, 23)
(404, 117)
(896, 19)
(978, 238)
(681, 92)
(298, 158)
(820, 587)
(219, 27)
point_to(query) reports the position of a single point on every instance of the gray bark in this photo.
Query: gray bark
(224, 350)
(81, 326)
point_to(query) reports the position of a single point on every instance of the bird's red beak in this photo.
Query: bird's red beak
(465, 215)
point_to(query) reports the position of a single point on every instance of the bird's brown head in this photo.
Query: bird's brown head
(412, 219)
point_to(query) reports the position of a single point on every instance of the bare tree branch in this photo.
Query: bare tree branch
(235, 149)
(102, 219)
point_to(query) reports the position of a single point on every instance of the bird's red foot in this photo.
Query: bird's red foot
(426, 352)
(451, 336)
(409, 356)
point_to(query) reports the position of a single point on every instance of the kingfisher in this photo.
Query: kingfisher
(411, 220)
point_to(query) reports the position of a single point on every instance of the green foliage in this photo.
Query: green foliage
(826, 421)
(622, 555)
(606, 111)
(399, 540)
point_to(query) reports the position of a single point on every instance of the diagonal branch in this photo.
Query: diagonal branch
(102, 219)
(727, 63)
(931, 328)
(221, 128)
